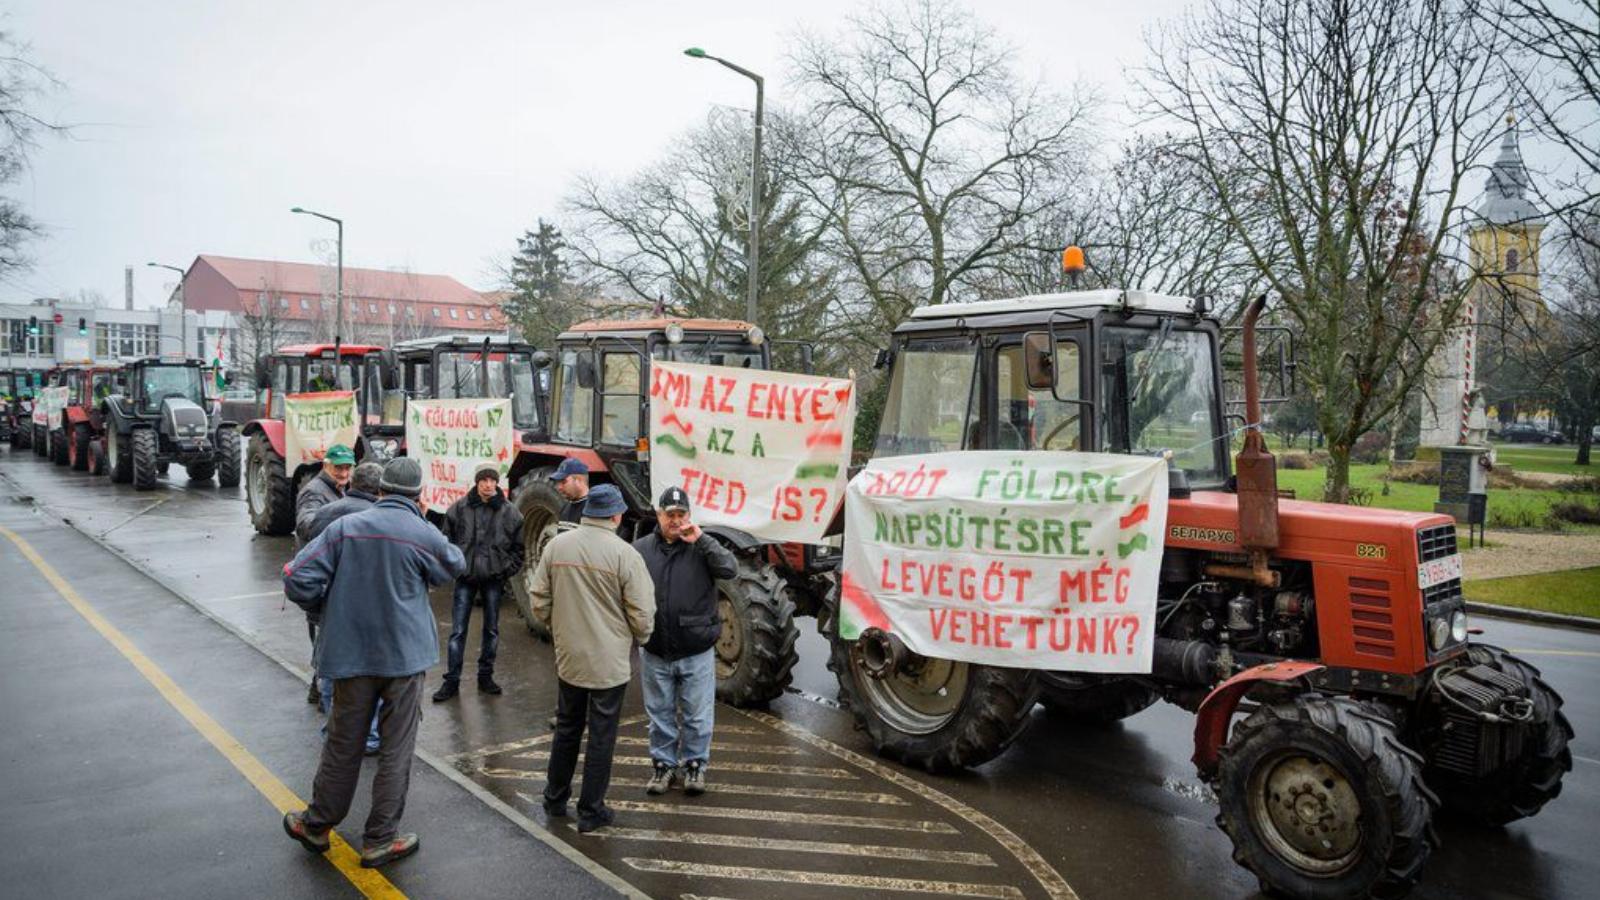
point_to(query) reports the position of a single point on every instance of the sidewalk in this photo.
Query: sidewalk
(110, 791)
(1530, 553)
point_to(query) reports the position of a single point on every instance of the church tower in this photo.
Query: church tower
(1503, 234)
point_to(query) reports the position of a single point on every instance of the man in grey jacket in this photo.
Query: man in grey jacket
(369, 575)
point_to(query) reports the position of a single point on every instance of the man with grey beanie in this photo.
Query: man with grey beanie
(368, 574)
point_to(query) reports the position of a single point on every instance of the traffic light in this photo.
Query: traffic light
(83, 325)
(33, 324)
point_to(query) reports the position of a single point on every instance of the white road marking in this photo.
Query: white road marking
(797, 876)
(726, 747)
(523, 743)
(879, 851)
(1043, 872)
(724, 787)
(797, 818)
(1529, 651)
(1592, 762)
(256, 596)
(761, 768)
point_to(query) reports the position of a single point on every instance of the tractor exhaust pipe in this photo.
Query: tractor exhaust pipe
(1256, 472)
(882, 654)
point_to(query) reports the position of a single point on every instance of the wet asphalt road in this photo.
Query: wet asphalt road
(799, 800)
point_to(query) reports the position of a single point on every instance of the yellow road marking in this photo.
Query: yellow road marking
(798, 876)
(834, 848)
(1526, 651)
(369, 882)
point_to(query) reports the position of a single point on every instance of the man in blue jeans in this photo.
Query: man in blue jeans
(488, 530)
(676, 666)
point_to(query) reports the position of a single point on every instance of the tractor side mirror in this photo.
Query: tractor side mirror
(586, 370)
(884, 359)
(542, 360)
(1039, 359)
(388, 370)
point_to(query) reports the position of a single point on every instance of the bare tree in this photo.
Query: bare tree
(929, 158)
(262, 326)
(22, 83)
(1336, 135)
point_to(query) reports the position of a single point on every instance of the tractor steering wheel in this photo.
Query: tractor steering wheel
(1045, 444)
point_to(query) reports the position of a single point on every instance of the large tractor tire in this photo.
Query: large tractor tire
(540, 506)
(58, 447)
(145, 447)
(22, 436)
(78, 449)
(268, 491)
(938, 714)
(98, 464)
(1321, 799)
(755, 653)
(229, 458)
(201, 471)
(1523, 786)
(119, 456)
(40, 441)
(1093, 699)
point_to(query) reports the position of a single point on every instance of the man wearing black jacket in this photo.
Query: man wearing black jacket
(676, 666)
(488, 529)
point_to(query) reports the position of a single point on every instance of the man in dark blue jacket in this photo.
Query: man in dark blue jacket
(676, 666)
(488, 529)
(369, 574)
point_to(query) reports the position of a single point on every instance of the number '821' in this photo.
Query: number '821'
(1372, 551)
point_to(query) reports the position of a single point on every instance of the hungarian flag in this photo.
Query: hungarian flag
(216, 362)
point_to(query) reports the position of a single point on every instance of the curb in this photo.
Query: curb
(1537, 617)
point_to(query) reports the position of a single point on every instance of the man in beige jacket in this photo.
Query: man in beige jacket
(593, 592)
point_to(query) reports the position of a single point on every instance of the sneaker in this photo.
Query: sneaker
(694, 779)
(313, 696)
(661, 780)
(605, 817)
(401, 847)
(486, 685)
(446, 691)
(294, 824)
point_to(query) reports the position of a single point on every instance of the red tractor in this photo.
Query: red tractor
(40, 414)
(598, 413)
(308, 368)
(82, 430)
(1340, 632)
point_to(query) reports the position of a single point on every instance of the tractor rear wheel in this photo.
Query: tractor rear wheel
(119, 456)
(1523, 786)
(939, 714)
(58, 447)
(21, 436)
(268, 491)
(145, 447)
(540, 506)
(755, 654)
(1321, 799)
(229, 458)
(78, 450)
(1093, 699)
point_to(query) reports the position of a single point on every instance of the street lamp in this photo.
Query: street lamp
(754, 260)
(338, 308)
(183, 301)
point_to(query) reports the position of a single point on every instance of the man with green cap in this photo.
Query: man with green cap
(328, 486)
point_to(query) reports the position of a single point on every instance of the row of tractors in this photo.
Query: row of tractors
(1339, 633)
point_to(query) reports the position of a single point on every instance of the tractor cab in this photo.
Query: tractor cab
(464, 366)
(166, 415)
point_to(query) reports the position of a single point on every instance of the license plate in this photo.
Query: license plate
(1438, 571)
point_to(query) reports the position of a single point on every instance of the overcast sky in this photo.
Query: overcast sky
(437, 131)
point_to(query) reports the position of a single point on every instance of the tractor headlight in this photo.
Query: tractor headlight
(1458, 626)
(1438, 633)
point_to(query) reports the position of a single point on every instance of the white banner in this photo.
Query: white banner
(763, 452)
(312, 423)
(1032, 559)
(451, 439)
(48, 404)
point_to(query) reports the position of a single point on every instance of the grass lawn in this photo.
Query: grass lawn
(1535, 458)
(1516, 508)
(1574, 592)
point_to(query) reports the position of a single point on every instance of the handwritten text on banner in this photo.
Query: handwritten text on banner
(314, 422)
(451, 439)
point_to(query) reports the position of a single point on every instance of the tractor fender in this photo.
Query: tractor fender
(552, 454)
(272, 428)
(1216, 711)
(77, 415)
(115, 418)
(740, 541)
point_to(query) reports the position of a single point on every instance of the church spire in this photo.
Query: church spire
(1505, 200)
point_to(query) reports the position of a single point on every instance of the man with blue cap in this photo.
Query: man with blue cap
(593, 592)
(571, 479)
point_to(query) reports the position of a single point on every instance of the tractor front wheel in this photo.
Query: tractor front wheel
(146, 448)
(58, 447)
(97, 458)
(540, 506)
(755, 654)
(78, 450)
(229, 458)
(41, 440)
(268, 491)
(1321, 799)
(200, 471)
(119, 456)
(940, 715)
(1524, 785)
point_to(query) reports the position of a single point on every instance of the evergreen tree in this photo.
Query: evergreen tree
(543, 302)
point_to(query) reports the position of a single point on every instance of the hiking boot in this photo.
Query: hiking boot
(694, 778)
(294, 824)
(446, 691)
(604, 817)
(313, 696)
(486, 685)
(401, 847)
(661, 780)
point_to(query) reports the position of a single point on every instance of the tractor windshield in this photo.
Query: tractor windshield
(734, 354)
(161, 382)
(1159, 393)
(929, 407)
(465, 374)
